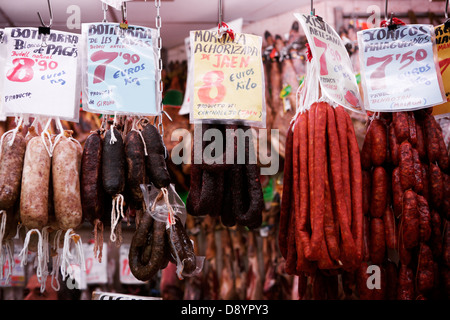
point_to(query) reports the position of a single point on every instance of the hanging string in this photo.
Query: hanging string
(113, 137)
(116, 214)
(45, 134)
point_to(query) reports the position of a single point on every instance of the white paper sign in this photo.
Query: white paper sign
(336, 75)
(17, 277)
(236, 26)
(116, 4)
(96, 272)
(39, 75)
(399, 69)
(126, 277)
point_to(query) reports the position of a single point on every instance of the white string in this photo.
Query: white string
(56, 260)
(10, 259)
(116, 213)
(113, 137)
(134, 128)
(2, 228)
(44, 134)
(67, 255)
(39, 262)
(60, 135)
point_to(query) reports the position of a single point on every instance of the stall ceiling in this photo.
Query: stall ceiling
(178, 16)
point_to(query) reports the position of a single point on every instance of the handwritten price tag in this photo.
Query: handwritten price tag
(95, 272)
(398, 68)
(119, 69)
(337, 79)
(443, 51)
(126, 277)
(40, 77)
(227, 78)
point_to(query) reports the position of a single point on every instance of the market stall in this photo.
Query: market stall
(298, 153)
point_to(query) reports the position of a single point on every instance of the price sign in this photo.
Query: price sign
(336, 75)
(119, 69)
(17, 277)
(443, 52)
(126, 277)
(399, 72)
(227, 78)
(39, 75)
(96, 272)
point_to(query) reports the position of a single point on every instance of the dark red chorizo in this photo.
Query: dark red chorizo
(366, 160)
(367, 191)
(401, 124)
(390, 228)
(378, 201)
(405, 283)
(425, 269)
(426, 182)
(406, 165)
(377, 241)
(410, 220)
(436, 234)
(412, 128)
(361, 282)
(431, 138)
(420, 146)
(393, 145)
(424, 219)
(378, 142)
(436, 183)
(391, 280)
(418, 175)
(446, 201)
(397, 192)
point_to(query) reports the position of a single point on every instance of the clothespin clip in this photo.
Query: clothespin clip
(45, 29)
(124, 23)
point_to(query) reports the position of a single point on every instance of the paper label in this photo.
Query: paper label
(336, 75)
(39, 74)
(399, 71)
(126, 277)
(119, 69)
(96, 272)
(227, 77)
(443, 50)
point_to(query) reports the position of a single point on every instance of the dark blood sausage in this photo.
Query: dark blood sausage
(379, 192)
(226, 214)
(405, 283)
(11, 166)
(431, 138)
(420, 146)
(397, 192)
(135, 167)
(91, 178)
(393, 145)
(366, 160)
(401, 125)
(436, 183)
(195, 190)
(418, 172)
(412, 129)
(113, 164)
(252, 218)
(145, 272)
(406, 165)
(211, 195)
(367, 191)
(286, 195)
(424, 219)
(155, 161)
(410, 220)
(378, 142)
(377, 241)
(390, 228)
(181, 246)
(425, 269)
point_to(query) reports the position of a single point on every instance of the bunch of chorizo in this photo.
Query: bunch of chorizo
(222, 187)
(405, 162)
(321, 215)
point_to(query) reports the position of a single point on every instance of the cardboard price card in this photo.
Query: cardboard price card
(119, 69)
(39, 73)
(125, 275)
(336, 75)
(442, 34)
(96, 272)
(227, 77)
(399, 70)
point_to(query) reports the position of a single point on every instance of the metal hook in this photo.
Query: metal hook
(313, 11)
(446, 9)
(220, 12)
(124, 23)
(51, 16)
(105, 10)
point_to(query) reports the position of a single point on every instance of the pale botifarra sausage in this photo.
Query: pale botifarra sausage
(35, 185)
(11, 167)
(66, 163)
